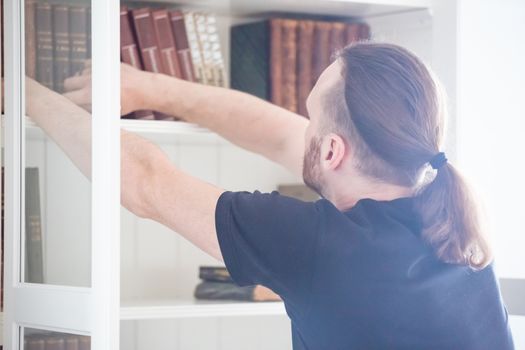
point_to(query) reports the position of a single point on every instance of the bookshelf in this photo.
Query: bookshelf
(158, 269)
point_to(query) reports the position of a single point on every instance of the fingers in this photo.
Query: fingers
(77, 82)
(80, 97)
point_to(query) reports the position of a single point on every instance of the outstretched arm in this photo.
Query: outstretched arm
(243, 119)
(151, 187)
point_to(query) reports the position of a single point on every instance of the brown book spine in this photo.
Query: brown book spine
(148, 45)
(78, 38)
(61, 45)
(129, 54)
(337, 38)
(147, 40)
(276, 61)
(167, 48)
(352, 33)
(364, 32)
(304, 64)
(321, 51)
(30, 39)
(44, 44)
(55, 343)
(182, 45)
(289, 47)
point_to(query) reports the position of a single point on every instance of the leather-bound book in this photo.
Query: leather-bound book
(182, 45)
(73, 342)
(167, 48)
(229, 291)
(129, 54)
(55, 343)
(30, 39)
(304, 64)
(250, 59)
(337, 38)
(321, 51)
(148, 45)
(44, 44)
(78, 38)
(352, 34)
(34, 271)
(289, 61)
(276, 61)
(214, 274)
(61, 45)
(364, 32)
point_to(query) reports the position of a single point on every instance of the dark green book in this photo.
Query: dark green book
(34, 270)
(250, 58)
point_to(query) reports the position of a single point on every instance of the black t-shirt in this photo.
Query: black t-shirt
(359, 279)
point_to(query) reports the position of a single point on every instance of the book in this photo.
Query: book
(44, 44)
(34, 271)
(182, 45)
(214, 274)
(148, 45)
(78, 18)
(229, 291)
(195, 51)
(215, 59)
(352, 32)
(30, 39)
(298, 191)
(62, 49)
(250, 58)
(337, 38)
(166, 42)
(276, 61)
(304, 64)
(129, 54)
(321, 53)
(289, 65)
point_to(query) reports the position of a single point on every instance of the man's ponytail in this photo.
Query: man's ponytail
(451, 222)
(394, 116)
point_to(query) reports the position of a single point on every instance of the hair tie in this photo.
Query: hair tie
(438, 160)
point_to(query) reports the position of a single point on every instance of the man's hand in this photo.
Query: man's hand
(136, 87)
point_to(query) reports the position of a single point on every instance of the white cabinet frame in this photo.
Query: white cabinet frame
(89, 311)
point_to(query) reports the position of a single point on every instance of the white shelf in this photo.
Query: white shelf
(353, 8)
(171, 309)
(155, 130)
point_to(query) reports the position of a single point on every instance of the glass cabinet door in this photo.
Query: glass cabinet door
(62, 165)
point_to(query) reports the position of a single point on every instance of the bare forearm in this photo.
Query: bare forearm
(65, 123)
(243, 119)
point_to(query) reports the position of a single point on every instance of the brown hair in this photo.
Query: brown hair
(395, 120)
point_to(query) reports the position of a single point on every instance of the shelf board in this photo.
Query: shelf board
(155, 130)
(345, 8)
(178, 308)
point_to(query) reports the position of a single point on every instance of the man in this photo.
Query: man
(393, 257)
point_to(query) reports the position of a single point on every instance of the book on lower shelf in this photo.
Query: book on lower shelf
(217, 284)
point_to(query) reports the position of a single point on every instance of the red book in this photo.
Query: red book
(321, 52)
(148, 45)
(129, 54)
(304, 64)
(353, 33)
(168, 51)
(30, 39)
(289, 61)
(44, 44)
(181, 44)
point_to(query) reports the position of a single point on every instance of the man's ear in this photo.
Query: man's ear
(333, 151)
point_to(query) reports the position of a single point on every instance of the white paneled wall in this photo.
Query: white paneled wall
(159, 264)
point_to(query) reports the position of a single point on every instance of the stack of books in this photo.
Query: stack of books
(217, 284)
(176, 43)
(56, 341)
(280, 59)
(57, 41)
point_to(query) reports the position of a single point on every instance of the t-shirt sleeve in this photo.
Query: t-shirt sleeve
(268, 239)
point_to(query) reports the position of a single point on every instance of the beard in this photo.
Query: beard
(311, 171)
